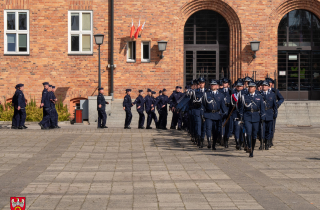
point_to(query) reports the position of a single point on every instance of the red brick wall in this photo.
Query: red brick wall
(77, 76)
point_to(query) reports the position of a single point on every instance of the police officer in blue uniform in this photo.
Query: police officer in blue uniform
(226, 91)
(279, 99)
(139, 102)
(101, 107)
(127, 104)
(15, 111)
(163, 113)
(236, 116)
(21, 111)
(52, 99)
(153, 113)
(176, 117)
(214, 111)
(191, 94)
(53, 109)
(46, 105)
(197, 112)
(271, 110)
(157, 106)
(253, 111)
(148, 106)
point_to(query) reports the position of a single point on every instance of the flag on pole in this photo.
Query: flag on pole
(138, 30)
(142, 28)
(132, 29)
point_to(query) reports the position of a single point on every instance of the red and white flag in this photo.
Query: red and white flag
(138, 30)
(132, 29)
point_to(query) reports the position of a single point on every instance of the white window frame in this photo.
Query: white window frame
(17, 32)
(128, 59)
(142, 59)
(80, 33)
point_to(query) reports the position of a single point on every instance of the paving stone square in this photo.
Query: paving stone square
(80, 167)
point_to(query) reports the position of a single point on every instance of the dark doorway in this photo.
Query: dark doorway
(206, 45)
(299, 56)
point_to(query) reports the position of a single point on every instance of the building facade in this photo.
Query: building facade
(53, 41)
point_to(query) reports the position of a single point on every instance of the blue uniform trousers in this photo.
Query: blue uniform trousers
(141, 118)
(163, 119)
(21, 117)
(128, 118)
(14, 118)
(151, 116)
(53, 117)
(185, 120)
(196, 114)
(102, 118)
(267, 130)
(212, 127)
(191, 123)
(251, 130)
(46, 117)
(176, 119)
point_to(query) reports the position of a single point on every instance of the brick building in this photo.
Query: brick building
(53, 41)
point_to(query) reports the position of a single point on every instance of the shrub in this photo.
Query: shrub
(34, 113)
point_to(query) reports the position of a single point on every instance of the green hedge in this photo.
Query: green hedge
(34, 113)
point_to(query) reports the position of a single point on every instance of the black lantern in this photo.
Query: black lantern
(99, 38)
(255, 47)
(162, 45)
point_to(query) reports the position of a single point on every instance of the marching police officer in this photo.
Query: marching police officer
(21, 111)
(163, 113)
(127, 104)
(157, 105)
(153, 113)
(236, 116)
(253, 111)
(140, 109)
(15, 111)
(214, 110)
(46, 105)
(176, 117)
(148, 106)
(226, 91)
(101, 107)
(271, 110)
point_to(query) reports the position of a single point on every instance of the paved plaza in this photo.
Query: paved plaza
(80, 167)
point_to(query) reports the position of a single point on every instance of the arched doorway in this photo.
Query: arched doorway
(299, 56)
(206, 46)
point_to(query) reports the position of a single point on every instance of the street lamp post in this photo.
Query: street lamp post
(255, 47)
(162, 46)
(99, 40)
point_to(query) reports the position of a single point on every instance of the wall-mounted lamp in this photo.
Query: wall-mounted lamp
(255, 47)
(162, 45)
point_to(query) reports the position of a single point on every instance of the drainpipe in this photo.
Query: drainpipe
(111, 48)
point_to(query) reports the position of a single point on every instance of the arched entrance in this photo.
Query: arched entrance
(299, 56)
(206, 46)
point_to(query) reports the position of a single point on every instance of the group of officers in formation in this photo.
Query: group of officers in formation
(48, 101)
(245, 109)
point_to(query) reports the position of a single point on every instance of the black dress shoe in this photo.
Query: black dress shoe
(149, 128)
(141, 127)
(164, 128)
(40, 125)
(14, 127)
(25, 127)
(20, 127)
(104, 127)
(43, 128)
(173, 128)
(57, 126)
(251, 155)
(214, 148)
(179, 129)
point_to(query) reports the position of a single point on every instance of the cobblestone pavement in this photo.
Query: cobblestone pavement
(80, 167)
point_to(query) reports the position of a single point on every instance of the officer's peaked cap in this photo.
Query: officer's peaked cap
(265, 83)
(252, 84)
(100, 89)
(45, 83)
(201, 79)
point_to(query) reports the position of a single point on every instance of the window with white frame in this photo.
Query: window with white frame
(145, 51)
(16, 32)
(80, 27)
(131, 51)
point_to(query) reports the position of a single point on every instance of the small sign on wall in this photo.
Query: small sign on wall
(282, 73)
(293, 57)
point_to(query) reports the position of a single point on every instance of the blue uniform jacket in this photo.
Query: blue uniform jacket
(227, 94)
(175, 96)
(53, 97)
(21, 100)
(236, 111)
(148, 103)
(197, 99)
(45, 99)
(15, 99)
(139, 102)
(127, 103)
(252, 108)
(164, 100)
(271, 107)
(101, 100)
(214, 106)
(279, 98)
(154, 100)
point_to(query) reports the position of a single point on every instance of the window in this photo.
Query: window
(16, 29)
(80, 38)
(131, 52)
(145, 51)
